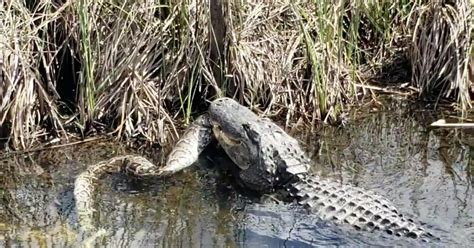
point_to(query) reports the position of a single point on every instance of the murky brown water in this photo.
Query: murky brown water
(427, 173)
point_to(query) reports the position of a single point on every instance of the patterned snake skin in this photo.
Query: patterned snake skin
(268, 159)
(85, 184)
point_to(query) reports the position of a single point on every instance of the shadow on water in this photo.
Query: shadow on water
(426, 173)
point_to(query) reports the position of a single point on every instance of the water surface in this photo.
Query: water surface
(426, 172)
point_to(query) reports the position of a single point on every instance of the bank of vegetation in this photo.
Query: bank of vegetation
(143, 68)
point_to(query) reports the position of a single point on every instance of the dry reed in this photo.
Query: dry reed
(441, 50)
(139, 67)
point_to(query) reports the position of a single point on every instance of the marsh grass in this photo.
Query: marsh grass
(27, 92)
(441, 50)
(143, 68)
(301, 60)
(87, 98)
(145, 55)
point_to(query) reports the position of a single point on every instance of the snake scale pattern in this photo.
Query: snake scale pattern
(267, 160)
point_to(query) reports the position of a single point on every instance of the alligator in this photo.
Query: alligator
(267, 160)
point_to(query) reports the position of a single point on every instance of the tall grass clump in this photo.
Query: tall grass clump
(441, 50)
(27, 71)
(134, 66)
(87, 96)
(137, 58)
(139, 68)
(304, 58)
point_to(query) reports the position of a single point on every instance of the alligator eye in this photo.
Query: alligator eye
(252, 134)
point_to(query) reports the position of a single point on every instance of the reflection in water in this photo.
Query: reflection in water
(426, 173)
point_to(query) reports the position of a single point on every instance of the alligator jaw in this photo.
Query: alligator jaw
(223, 138)
(280, 162)
(269, 159)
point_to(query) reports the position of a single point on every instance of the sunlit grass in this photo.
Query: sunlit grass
(146, 65)
(87, 79)
(27, 94)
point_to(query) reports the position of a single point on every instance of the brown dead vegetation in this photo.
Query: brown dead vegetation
(138, 68)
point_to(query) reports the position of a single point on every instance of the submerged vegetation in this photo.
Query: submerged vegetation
(137, 68)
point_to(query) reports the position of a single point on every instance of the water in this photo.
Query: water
(426, 172)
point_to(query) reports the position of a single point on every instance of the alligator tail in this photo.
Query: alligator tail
(357, 207)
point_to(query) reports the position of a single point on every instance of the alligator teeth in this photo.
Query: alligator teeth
(297, 169)
(298, 186)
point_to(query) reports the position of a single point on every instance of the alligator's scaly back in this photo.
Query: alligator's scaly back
(279, 161)
(268, 158)
(363, 209)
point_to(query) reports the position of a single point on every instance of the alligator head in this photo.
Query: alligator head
(265, 153)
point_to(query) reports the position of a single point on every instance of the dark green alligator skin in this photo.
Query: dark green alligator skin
(268, 159)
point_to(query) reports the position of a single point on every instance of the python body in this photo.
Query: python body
(267, 159)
